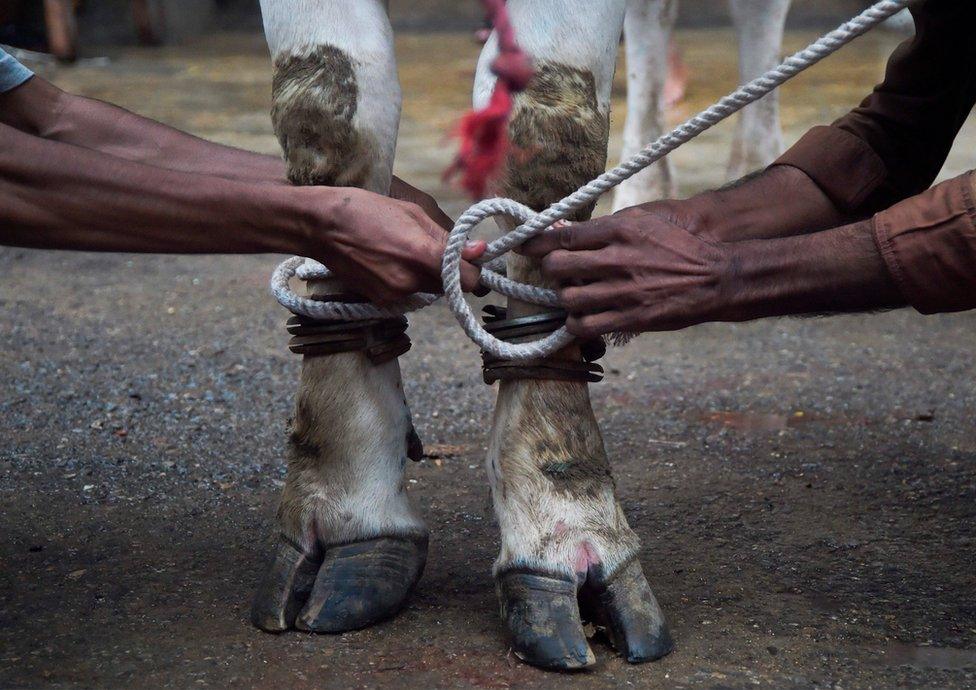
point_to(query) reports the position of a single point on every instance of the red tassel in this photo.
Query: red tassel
(483, 133)
(483, 144)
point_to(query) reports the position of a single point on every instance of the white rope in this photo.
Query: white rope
(533, 223)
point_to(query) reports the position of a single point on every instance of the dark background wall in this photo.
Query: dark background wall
(105, 22)
(108, 20)
(693, 13)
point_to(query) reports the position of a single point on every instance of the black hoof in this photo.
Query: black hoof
(626, 608)
(543, 618)
(362, 583)
(343, 588)
(285, 587)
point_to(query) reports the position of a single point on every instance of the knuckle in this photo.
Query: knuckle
(551, 262)
(630, 212)
(399, 282)
(567, 237)
(580, 327)
(569, 297)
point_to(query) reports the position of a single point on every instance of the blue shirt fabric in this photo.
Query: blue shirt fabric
(12, 73)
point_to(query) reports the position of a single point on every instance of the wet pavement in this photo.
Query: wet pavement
(805, 488)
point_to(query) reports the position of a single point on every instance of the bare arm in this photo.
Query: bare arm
(623, 273)
(59, 196)
(780, 201)
(40, 108)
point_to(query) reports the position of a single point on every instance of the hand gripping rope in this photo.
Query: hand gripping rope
(533, 223)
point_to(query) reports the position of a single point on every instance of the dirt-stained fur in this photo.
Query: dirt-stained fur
(314, 100)
(571, 459)
(560, 135)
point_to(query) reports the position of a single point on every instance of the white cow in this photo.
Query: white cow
(758, 139)
(352, 547)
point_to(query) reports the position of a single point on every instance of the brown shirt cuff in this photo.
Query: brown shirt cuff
(929, 245)
(840, 163)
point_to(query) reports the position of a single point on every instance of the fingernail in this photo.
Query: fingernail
(473, 245)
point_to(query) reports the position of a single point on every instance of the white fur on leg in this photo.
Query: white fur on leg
(337, 107)
(758, 137)
(647, 33)
(348, 453)
(553, 526)
(361, 30)
(576, 34)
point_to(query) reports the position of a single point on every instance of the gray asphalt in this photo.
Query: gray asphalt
(804, 488)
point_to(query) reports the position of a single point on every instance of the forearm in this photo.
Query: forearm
(780, 201)
(55, 195)
(40, 108)
(832, 271)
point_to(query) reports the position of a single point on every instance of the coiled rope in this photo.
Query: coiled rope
(533, 223)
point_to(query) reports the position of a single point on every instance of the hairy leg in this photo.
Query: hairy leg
(351, 546)
(647, 33)
(565, 543)
(758, 138)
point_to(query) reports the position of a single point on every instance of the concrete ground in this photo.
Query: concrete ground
(805, 489)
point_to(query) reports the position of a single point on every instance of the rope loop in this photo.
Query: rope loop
(451, 275)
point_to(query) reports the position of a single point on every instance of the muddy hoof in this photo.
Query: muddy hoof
(285, 587)
(344, 588)
(543, 618)
(626, 608)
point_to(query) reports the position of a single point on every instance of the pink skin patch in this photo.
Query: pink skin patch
(585, 557)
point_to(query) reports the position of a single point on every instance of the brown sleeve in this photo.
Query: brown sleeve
(894, 144)
(929, 245)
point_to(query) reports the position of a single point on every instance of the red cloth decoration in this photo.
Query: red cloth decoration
(483, 133)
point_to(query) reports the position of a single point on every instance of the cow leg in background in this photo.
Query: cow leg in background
(565, 543)
(647, 33)
(758, 138)
(351, 547)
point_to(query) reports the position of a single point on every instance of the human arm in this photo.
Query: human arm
(889, 148)
(633, 274)
(637, 272)
(57, 195)
(38, 107)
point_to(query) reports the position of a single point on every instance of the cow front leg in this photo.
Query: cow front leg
(647, 34)
(567, 552)
(351, 547)
(758, 138)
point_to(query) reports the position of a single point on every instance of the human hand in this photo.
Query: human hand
(383, 248)
(406, 192)
(635, 271)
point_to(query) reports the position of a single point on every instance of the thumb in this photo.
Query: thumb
(471, 274)
(473, 249)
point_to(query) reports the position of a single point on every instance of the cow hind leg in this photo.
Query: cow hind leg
(647, 34)
(567, 552)
(758, 138)
(351, 547)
